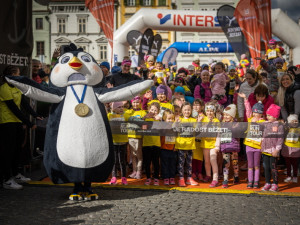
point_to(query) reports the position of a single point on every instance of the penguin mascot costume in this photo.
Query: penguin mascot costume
(78, 145)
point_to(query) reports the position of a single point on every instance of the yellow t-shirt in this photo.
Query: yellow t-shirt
(252, 141)
(129, 114)
(159, 79)
(272, 53)
(9, 93)
(293, 138)
(243, 62)
(117, 138)
(198, 152)
(231, 84)
(186, 143)
(163, 105)
(208, 142)
(151, 140)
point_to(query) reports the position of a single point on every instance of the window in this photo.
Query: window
(103, 52)
(161, 2)
(83, 47)
(82, 25)
(130, 2)
(61, 25)
(147, 2)
(131, 51)
(39, 23)
(40, 48)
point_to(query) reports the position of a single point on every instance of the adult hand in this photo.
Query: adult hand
(109, 85)
(40, 118)
(56, 53)
(242, 95)
(297, 71)
(33, 127)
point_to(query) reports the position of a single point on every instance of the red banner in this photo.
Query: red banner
(103, 11)
(263, 8)
(246, 15)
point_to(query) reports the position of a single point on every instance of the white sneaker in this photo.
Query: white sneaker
(11, 184)
(295, 179)
(287, 180)
(20, 178)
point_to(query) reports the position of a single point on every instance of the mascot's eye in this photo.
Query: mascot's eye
(65, 59)
(85, 58)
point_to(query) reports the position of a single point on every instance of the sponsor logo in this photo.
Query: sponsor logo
(208, 48)
(189, 20)
(163, 20)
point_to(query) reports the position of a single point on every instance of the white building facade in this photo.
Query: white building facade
(185, 59)
(41, 33)
(72, 22)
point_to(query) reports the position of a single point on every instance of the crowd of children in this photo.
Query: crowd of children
(206, 94)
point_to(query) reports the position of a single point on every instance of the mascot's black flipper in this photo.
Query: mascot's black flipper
(78, 144)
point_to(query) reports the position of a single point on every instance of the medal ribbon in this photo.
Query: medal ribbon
(82, 96)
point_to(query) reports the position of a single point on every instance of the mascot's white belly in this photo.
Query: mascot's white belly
(82, 141)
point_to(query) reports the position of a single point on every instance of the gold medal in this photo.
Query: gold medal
(82, 109)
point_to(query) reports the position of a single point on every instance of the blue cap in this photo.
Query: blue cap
(258, 108)
(106, 64)
(179, 89)
(204, 65)
(115, 69)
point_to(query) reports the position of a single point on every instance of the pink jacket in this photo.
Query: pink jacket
(267, 102)
(207, 92)
(218, 84)
(273, 137)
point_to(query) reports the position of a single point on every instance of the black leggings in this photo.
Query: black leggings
(151, 154)
(270, 164)
(11, 137)
(120, 157)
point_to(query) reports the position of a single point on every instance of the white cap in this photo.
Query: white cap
(292, 117)
(231, 110)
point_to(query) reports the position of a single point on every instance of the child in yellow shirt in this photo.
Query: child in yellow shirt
(185, 143)
(120, 143)
(208, 145)
(135, 141)
(151, 147)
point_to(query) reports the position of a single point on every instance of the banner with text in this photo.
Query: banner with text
(145, 46)
(16, 35)
(232, 130)
(232, 30)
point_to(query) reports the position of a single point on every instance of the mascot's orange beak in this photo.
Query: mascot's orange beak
(75, 63)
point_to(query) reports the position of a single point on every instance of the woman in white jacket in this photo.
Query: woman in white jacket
(253, 79)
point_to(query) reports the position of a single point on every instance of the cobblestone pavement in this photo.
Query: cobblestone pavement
(49, 205)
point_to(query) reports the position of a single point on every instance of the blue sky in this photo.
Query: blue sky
(291, 7)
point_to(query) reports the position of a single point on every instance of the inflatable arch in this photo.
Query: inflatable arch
(197, 21)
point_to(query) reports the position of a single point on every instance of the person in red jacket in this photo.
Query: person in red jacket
(261, 93)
